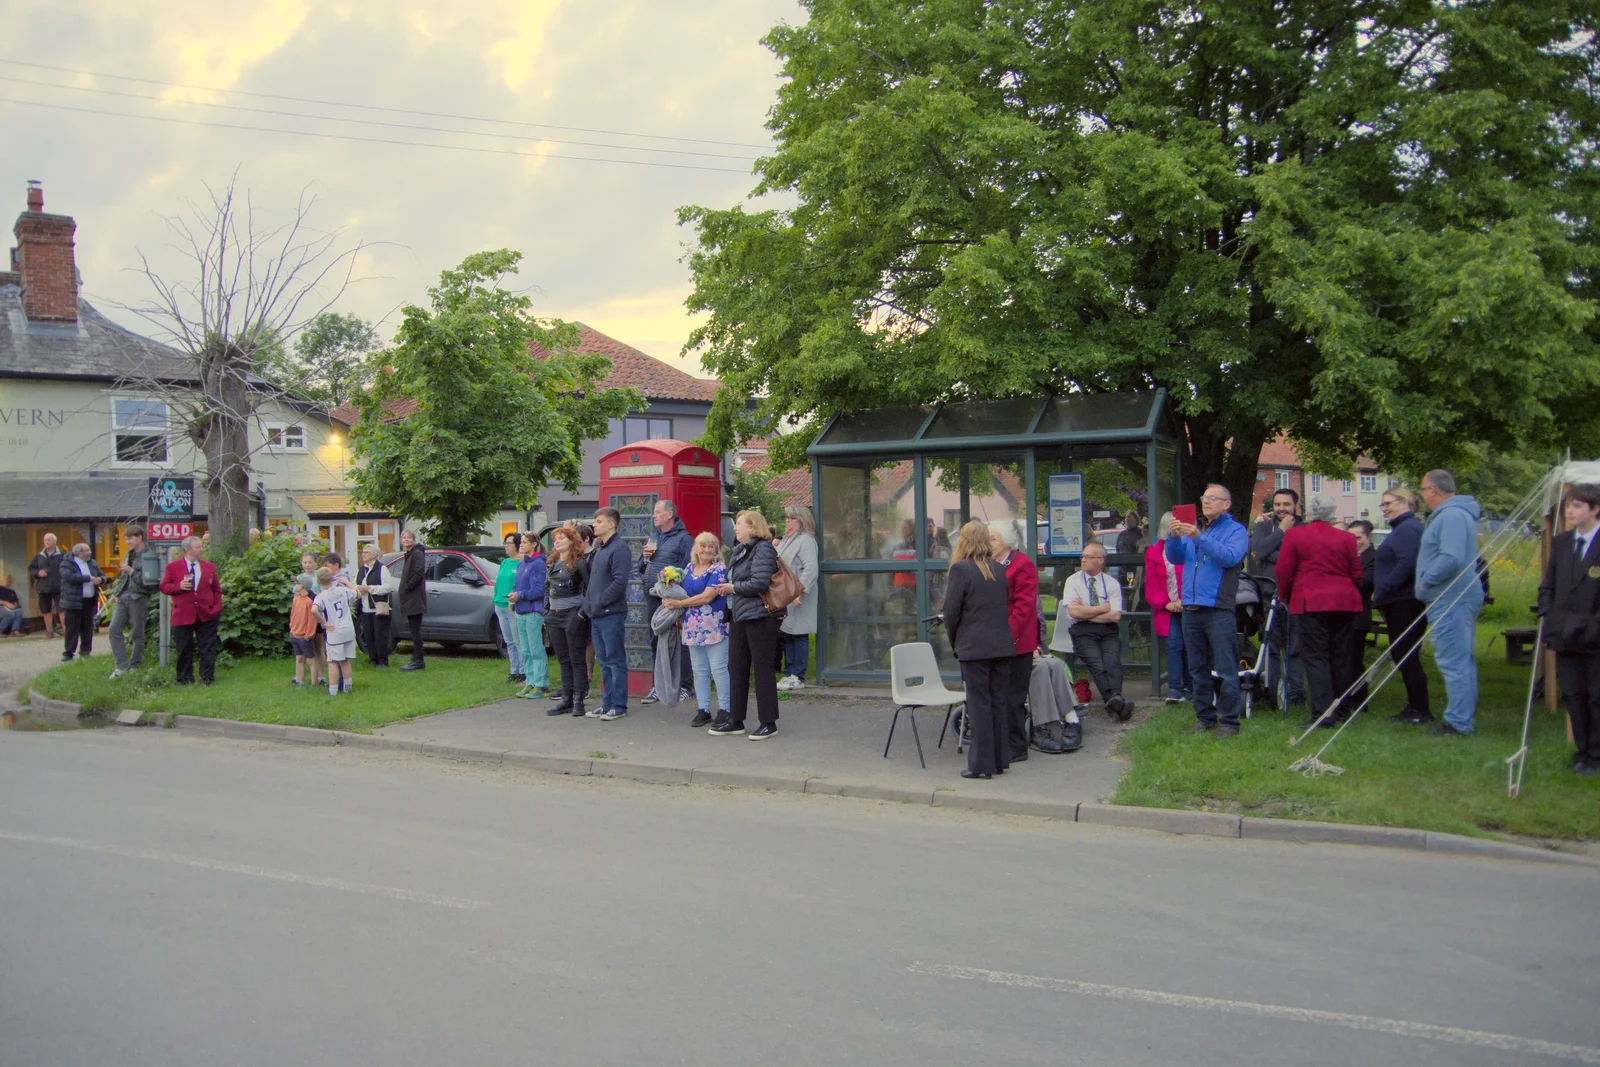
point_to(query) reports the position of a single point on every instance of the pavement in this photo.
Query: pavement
(23, 657)
(174, 900)
(822, 734)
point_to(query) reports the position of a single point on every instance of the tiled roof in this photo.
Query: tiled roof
(631, 367)
(1280, 453)
(793, 486)
(92, 347)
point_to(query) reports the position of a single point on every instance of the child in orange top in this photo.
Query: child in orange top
(303, 627)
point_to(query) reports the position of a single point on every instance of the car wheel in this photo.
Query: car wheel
(500, 643)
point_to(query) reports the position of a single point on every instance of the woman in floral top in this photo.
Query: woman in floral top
(704, 630)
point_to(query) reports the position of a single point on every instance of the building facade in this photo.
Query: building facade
(1357, 497)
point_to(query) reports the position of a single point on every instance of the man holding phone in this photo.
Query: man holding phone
(1211, 556)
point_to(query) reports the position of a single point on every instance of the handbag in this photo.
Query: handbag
(783, 590)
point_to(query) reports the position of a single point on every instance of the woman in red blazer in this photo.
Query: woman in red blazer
(1163, 591)
(1318, 574)
(196, 595)
(1022, 610)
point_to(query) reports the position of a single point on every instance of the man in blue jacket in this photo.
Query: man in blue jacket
(1211, 560)
(1447, 581)
(606, 604)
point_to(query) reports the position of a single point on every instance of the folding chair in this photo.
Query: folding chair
(915, 684)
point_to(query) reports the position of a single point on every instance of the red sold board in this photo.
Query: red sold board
(170, 531)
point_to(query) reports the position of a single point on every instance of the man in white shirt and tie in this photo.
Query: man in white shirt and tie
(1093, 601)
(192, 584)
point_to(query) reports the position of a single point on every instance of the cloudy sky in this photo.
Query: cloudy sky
(600, 239)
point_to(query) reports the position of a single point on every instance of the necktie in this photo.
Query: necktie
(1094, 601)
(194, 576)
(1581, 546)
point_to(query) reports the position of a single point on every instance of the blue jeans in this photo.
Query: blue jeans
(1179, 678)
(612, 659)
(1454, 630)
(796, 654)
(508, 630)
(11, 620)
(1213, 645)
(710, 664)
(530, 641)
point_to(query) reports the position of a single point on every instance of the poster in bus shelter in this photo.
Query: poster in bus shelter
(1066, 514)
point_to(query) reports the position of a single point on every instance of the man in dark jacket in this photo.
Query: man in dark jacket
(1569, 602)
(673, 547)
(1394, 595)
(134, 589)
(80, 583)
(606, 604)
(414, 594)
(1266, 542)
(45, 570)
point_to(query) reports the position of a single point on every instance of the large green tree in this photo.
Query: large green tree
(1366, 223)
(331, 362)
(463, 421)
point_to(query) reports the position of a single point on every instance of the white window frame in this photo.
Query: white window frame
(1369, 483)
(283, 429)
(166, 433)
(1316, 483)
(1346, 486)
(1280, 480)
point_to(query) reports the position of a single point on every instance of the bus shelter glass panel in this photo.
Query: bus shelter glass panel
(994, 418)
(1096, 413)
(866, 613)
(886, 424)
(868, 510)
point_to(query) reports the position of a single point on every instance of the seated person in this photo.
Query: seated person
(1094, 602)
(10, 609)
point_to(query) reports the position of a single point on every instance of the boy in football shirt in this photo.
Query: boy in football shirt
(333, 606)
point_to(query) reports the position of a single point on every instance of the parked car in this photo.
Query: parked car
(460, 584)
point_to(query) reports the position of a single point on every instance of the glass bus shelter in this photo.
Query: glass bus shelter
(892, 488)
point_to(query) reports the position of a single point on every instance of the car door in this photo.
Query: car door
(456, 596)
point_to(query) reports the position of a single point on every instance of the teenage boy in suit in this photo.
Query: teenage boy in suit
(1569, 602)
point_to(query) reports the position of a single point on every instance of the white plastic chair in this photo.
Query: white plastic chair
(915, 683)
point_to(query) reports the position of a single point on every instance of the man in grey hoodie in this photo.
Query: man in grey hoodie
(1447, 581)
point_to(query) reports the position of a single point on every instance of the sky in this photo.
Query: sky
(600, 240)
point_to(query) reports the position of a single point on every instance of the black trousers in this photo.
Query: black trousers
(1325, 638)
(201, 637)
(1397, 617)
(414, 623)
(1019, 672)
(80, 628)
(375, 636)
(1578, 673)
(751, 650)
(1358, 663)
(1102, 654)
(685, 666)
(570, 639)
(988, 686)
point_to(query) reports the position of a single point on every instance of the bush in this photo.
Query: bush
(256, 597)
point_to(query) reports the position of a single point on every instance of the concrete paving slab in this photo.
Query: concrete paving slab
(832, 743)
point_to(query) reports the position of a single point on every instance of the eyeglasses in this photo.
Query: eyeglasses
(1213, 498)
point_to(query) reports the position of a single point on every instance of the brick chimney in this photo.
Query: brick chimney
(44, 261)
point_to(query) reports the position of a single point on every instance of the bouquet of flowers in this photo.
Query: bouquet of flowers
(671, 575)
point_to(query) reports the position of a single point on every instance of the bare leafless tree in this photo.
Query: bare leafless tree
(250, 287)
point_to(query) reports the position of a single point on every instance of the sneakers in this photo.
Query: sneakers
(614, 714)
(1412, 717)
(790, 681)
(650, 698)
(1179, 697)
(595, 713)
(728, 728)
(115, 674)
(764, 731)
(1444, 729)
(514, 677)
(701, 717)
(685, 694)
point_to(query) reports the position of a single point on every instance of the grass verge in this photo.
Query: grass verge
(1394, 775)
(259, 690)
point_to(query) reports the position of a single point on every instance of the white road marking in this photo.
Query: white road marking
(1449, 1034)
(412, 896)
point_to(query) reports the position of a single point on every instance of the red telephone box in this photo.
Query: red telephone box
(632, 479)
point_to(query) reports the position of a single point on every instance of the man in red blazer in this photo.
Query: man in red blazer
(196, 595)
(1319, 575)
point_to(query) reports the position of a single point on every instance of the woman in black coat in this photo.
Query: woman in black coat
(976, 618)
(753, 636)
(413, 594)
(566, 581)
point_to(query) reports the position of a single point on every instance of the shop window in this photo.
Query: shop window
(138, 430)
(286, 438)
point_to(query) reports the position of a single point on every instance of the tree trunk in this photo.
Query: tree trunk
(1214, 458)
(225, 443)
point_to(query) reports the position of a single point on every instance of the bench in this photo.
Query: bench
(1520, 645)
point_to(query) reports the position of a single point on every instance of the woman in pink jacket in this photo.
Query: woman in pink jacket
(1163, 591)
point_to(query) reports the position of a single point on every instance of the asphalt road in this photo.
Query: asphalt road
(171, 901)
